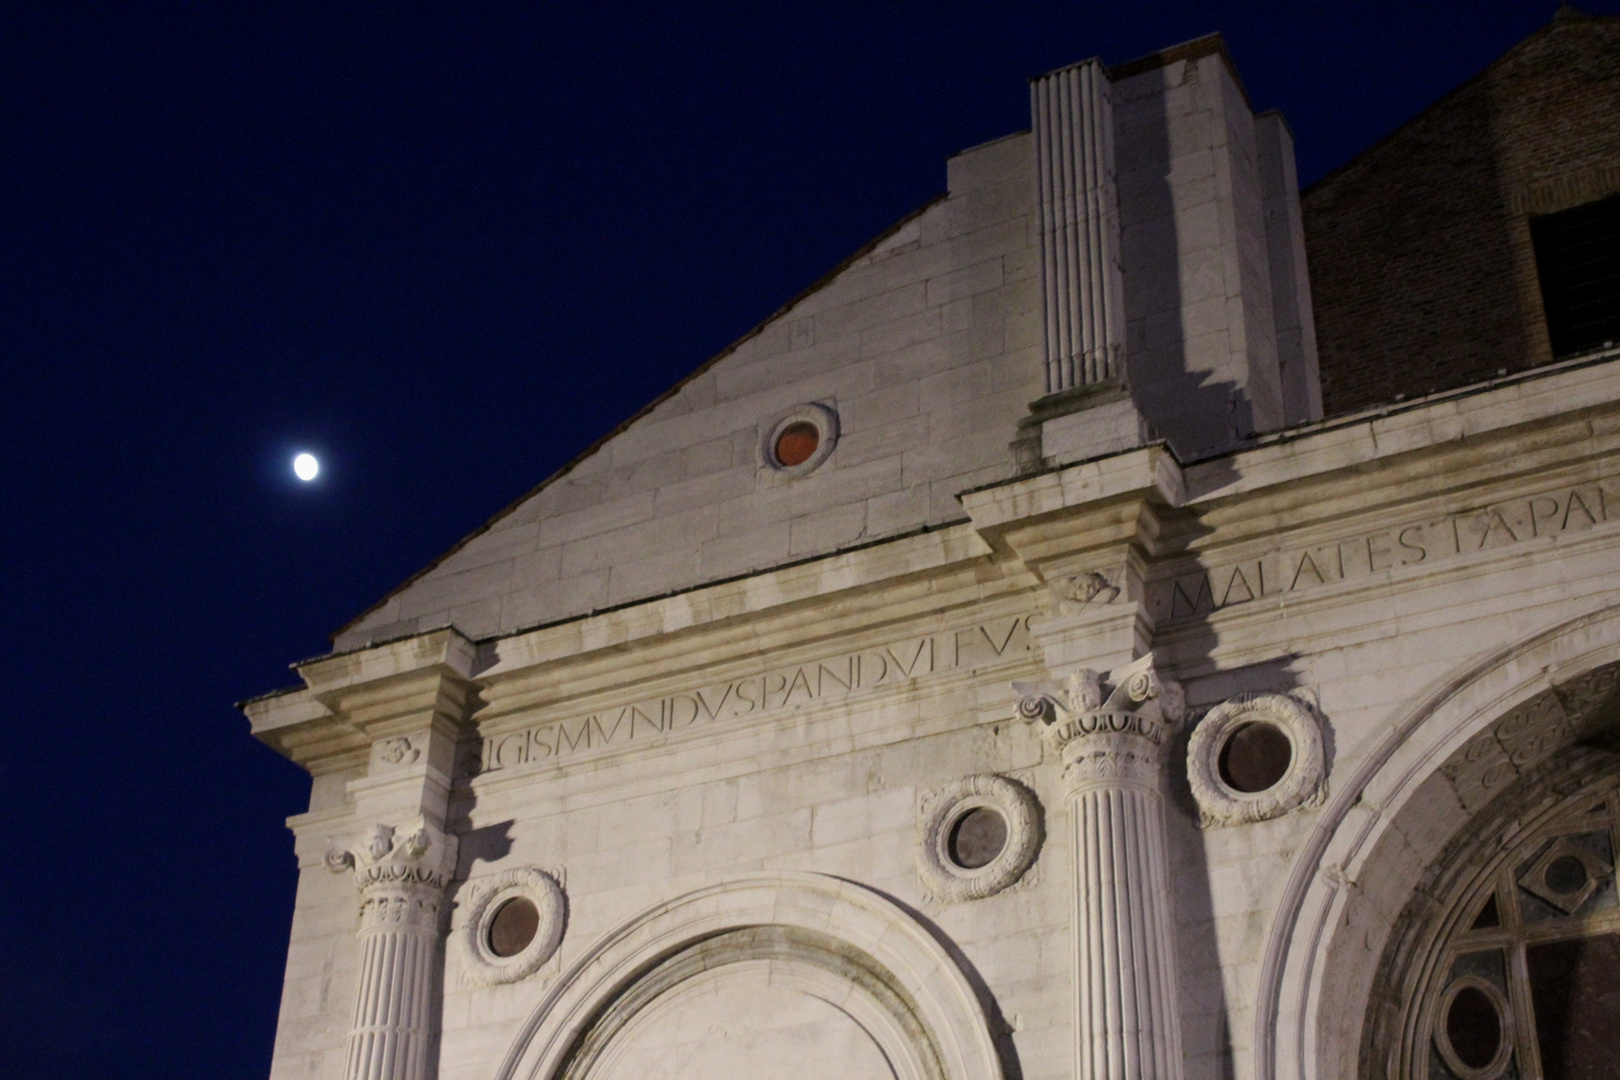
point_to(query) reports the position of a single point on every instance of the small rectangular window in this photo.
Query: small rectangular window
(1578, 259)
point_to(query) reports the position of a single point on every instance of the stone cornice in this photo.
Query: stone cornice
(300, 727)
(358, 696)
(330, 678)
(754, 599)
(1113, 520)
(883, 611)
(1148, 472)
(1542, 395)
(352, 699)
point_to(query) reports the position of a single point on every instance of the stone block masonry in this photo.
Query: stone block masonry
(1422, 271)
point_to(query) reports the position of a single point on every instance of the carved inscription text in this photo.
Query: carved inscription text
(1552, 513)
(771, 690)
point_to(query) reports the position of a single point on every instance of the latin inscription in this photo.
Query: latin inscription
(772, 690)
(1552, 513)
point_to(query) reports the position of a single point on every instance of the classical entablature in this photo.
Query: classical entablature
(997, 667)
(902, 683)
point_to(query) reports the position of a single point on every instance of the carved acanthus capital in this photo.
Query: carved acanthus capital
(1106, 728)
(400, 872)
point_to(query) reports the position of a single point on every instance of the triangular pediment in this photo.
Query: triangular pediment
(911, 363)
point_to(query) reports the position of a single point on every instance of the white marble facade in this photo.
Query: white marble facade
(1036, 573)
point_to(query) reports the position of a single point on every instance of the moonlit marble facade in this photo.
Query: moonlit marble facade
(921, 755)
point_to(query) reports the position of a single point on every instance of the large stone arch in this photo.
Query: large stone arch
(1487, 898)
(837, 945)
(1437, 765)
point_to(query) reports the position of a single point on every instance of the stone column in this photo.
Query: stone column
(1082, 292)
(401, 875)
(1109, 733)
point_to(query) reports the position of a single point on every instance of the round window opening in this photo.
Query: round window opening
(1474, 1028)
(796, 443)
(1255, 758)
(513, 927)
(1565, 874)
(976, 838)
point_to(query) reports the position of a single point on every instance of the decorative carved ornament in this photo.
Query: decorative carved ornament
(1106, 729)
(941, 872)
(401, 873)
(396, 752)
(486, 898)
(1303, 783)
(1082, 591)
(1531, 731)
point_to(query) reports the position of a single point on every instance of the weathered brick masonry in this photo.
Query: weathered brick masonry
(1422, 271)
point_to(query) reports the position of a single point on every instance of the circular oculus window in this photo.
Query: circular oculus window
(799, 440)
(514, 925)
(1472, 1031)
(1255, 757)
(977, 837)
(796, 443)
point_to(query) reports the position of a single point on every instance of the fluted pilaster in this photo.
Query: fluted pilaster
(1081, 288)
(1110, 735)
(401, 875)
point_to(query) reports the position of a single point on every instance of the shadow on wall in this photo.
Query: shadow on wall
(1001, 1031)
(1192, 410)
(490, 844)
(1207, 1035)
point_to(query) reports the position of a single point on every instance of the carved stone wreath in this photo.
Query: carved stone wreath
(487, 897)
(1017, 806)
(1304, 783)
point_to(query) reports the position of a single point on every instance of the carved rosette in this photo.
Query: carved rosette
(1110, 734)
(401, 874)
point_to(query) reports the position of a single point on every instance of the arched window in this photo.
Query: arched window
(1508, 959)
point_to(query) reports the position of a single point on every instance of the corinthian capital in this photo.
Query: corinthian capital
(1105, 727)
(410, 859)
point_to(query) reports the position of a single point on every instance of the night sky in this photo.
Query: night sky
(443, 252)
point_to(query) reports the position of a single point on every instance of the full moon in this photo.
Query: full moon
(305, 467)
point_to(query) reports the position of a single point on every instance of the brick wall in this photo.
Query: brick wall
(1422, 273)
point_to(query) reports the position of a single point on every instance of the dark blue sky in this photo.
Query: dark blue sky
(445, 252)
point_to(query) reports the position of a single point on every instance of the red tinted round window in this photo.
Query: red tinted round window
(796, 442)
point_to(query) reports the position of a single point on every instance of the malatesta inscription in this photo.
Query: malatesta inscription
(771, 690)
(1549, 514)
